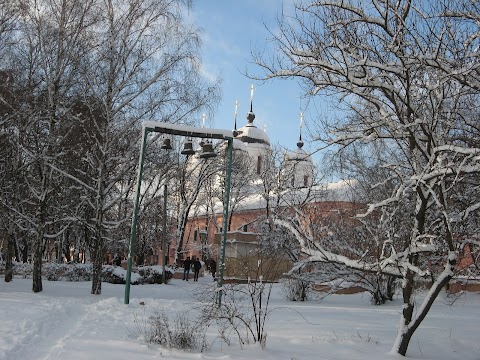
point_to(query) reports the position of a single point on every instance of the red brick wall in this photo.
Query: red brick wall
(325, 210)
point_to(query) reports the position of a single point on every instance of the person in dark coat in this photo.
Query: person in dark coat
(186, 268)
(213, 268)
(117, 261)
(197, 265)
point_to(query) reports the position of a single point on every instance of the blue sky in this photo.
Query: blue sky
(231, 29)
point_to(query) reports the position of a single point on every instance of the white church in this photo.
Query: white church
(204, 227)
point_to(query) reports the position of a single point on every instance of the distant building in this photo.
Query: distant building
(203, 231)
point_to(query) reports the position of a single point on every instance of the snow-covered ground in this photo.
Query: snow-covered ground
(66, 322)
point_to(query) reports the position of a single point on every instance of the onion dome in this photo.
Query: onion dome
(299, 154)
(250, 134)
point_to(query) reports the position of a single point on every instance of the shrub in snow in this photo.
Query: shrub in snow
(181, 333)
(296, 289)
(22, 269)
(114, 275)
(153, 274)
(340, 278)
(244, 311)
(83, 272)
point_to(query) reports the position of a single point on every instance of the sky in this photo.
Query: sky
(65, 321)
(232, 28)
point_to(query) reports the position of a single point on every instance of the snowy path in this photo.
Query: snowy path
(39, 328)
(62, 327)
(66, 322)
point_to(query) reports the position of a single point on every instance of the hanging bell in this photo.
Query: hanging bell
(188, 148)
(207, 151)
(166, 144)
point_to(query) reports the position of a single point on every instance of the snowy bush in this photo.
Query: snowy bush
(83, 272)
(153, 274)
(295, 289)
(243, 313)
(22, 269)
(181, 333)
(114, 275)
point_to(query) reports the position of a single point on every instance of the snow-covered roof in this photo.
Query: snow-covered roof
(239, 145)
(344, 190)
(298, 155)
(250, 134)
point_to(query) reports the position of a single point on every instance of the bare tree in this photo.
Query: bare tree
(193, 176)
(241, 182)
(47, 47)
(158, 164)
(10, 182)
(405, 76)
(245, 307)
(144, 67)
(90, 72)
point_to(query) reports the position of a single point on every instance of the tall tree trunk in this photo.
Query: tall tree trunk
(97, 257)
(37, 262)
(97, 251)
(37, 246)
(180, 233)
(410, 323)
(407, 328)
(24, 251)
(10, 254)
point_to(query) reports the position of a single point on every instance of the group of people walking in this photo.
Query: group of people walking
(197, 265)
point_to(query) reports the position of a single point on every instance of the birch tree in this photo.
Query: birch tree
(157, 165)
(47, 49)
(145, 67)
(12, 184)
(192, 177)
(9, 150)
(90, 72)
(242, 180)
(9, 179)
(404, 75)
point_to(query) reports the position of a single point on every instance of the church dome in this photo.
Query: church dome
(298, 155)
(298, 169)
(250, 134)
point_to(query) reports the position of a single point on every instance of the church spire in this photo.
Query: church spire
(235, 116)
(250, 114)
(300, 142)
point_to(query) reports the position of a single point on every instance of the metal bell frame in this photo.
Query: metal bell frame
(165, 128)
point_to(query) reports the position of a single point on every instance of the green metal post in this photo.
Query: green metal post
(133, 232)
(225, 221)
(164, 231)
